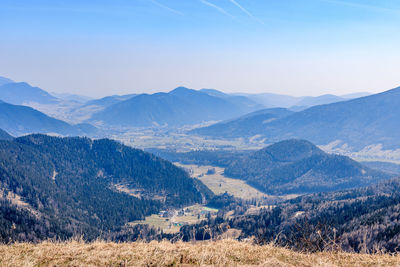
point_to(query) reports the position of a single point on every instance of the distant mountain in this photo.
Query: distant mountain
(5, 136)
(62, 187)
(388, 167)
(19, 120)
(298, 167)
(299, 103)
(270, 100)
(245, 103)
(355, 95)
(245, 126)
(22, 93)
(310, 101)
(179, 107)
(4, 80)
(358, 122)
(72, 97)
(109, 100)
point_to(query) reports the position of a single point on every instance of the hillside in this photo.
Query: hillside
(270, 100)
(221, 158)
(178, 107)
(244, 126)
(60, 187)
(298, 166)
(4, 80)
(20, 120)
(383, 166)
(246, 104)
(310, 101)
(72, 97)
(5, 136)
(363, 220)
(22, 93)
(218, 253)
(358, 123)
(109, 100)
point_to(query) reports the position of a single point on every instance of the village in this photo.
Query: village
(170, 221)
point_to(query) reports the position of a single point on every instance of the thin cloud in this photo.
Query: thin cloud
(246, 11)
(219, 9)
(166, 7)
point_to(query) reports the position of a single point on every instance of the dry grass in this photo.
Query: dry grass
(220, 184)
(219, 253)
(159, 222)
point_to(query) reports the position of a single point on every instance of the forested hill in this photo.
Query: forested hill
(358, 220)
(60, 187)
(297, 167)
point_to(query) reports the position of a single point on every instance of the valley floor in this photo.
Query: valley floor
(219, 184)
(217, 253)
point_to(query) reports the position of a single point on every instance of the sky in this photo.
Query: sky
(295, 47)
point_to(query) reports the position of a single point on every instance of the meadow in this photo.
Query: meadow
(213, 253)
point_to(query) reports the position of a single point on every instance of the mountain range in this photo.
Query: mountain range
(357, 123)
(298, 167)
(297, 103)
(19, 120)
(186, 106)
(178, 107)
(22, 93)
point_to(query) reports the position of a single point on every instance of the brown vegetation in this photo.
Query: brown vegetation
(218, 253)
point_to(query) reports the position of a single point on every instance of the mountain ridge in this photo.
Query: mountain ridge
(21, 92)
(177, 107)
(20, 120)
(4, 80)
(298, 166)
(245, 126)
(357, 122)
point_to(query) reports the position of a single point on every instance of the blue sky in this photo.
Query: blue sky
(297, 47)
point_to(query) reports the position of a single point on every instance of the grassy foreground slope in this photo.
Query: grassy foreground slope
(218, 253)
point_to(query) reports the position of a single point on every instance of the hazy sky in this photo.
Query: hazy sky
(297, 47)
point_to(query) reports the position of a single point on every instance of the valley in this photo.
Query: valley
(178, 139)
(199, 133)
(238, 171)
(214, 179)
